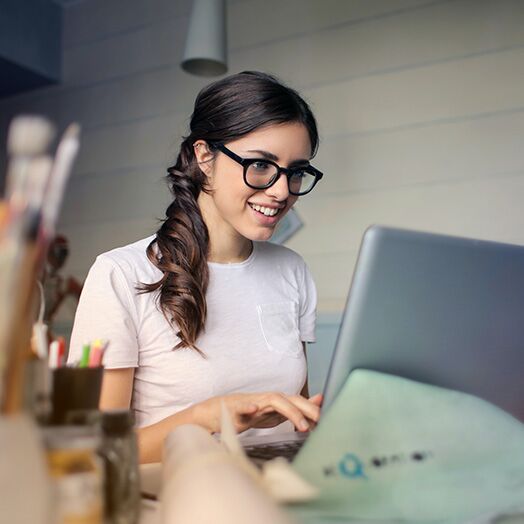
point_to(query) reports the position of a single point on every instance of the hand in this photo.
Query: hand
(260, 410)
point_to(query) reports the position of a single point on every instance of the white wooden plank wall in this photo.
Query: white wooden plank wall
(420, 105)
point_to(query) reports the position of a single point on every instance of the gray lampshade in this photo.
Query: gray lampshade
(206, 45)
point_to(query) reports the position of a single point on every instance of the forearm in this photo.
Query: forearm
(151, 438)
(248, 410)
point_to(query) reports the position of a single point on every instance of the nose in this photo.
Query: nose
(279, 190)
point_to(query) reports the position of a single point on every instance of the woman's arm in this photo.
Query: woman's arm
(248, 410)
(117, 388)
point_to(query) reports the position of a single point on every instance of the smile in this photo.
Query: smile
(268, 211)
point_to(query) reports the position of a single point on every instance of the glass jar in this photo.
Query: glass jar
(76, 472)
(119, 449)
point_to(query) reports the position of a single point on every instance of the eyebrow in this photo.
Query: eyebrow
(274, 158)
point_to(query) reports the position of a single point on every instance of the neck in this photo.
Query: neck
(229, 252)
(226, 246)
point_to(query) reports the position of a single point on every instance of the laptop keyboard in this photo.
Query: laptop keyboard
(287, 450)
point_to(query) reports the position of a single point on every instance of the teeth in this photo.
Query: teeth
(268, 211)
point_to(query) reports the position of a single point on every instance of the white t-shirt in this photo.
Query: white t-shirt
(258, 314)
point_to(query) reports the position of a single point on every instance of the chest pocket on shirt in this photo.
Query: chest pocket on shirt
(279, 324)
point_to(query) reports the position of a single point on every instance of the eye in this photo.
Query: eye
(261, 166)
(299, 173)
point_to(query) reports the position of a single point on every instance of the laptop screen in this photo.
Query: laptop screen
(442, 310)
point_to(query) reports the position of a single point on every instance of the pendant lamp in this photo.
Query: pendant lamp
(206, 44)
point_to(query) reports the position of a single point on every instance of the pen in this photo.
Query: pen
(84, 360)
(97, 351)
(61, 351)
(54, 349)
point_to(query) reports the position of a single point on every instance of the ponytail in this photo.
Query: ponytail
(180, 251)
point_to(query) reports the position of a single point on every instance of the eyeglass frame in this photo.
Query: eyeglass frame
(246, 162)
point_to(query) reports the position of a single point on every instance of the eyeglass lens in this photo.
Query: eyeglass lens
(261, 174)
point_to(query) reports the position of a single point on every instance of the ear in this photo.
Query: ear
(204, 156)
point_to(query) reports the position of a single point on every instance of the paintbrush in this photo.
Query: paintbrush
(27, 174)
(37, 224)
(65, 156)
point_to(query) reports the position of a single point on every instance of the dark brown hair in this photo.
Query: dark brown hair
(224, 111)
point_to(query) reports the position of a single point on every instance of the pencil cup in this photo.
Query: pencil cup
(37, 390)
(76, 393)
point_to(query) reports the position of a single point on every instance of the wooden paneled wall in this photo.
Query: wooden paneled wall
(420, 105)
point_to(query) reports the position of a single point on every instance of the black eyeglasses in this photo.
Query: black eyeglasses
(261, 173)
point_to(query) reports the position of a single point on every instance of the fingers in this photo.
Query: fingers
(309, 408)
(270, 409)
(292, 408)
(317, 399)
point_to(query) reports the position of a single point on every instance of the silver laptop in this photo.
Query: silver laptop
(441, 310)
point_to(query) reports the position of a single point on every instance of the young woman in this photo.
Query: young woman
(205, 311)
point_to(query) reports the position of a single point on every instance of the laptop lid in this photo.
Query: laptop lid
(442, 310)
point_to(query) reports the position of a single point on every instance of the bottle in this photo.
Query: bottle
(122, 481)
(76, 473)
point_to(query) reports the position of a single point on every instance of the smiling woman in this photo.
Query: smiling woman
(205, 311)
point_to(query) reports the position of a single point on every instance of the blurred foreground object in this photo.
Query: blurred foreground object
(122, 481)
(391, 449)
(76, 474)
(194, 464)
(35, 186)
(25, 494)
(57, 288)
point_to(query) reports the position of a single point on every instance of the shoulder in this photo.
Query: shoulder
(131, 260)
(135, 252)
